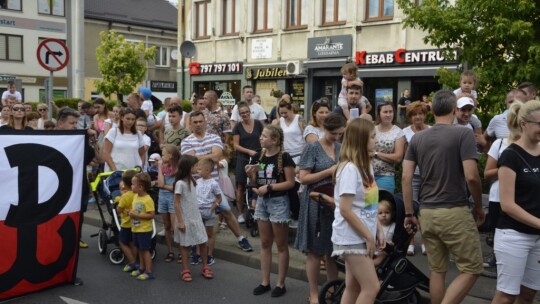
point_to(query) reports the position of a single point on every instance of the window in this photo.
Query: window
(295, 16)
(54, 8)
(231, 17)
(203, 19)
(11, 4)
(334, 12)
(380, 9)
(264, 12)
(11, 47)
(162, 56)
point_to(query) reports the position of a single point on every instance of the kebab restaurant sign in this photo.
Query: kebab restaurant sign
(404, 57)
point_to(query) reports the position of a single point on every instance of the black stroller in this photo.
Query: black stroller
(106, 187)
(399, 278)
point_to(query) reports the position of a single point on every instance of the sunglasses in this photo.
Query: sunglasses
(17, 109)
(43, 110)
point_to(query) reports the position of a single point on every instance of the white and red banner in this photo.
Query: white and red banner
(41, 176)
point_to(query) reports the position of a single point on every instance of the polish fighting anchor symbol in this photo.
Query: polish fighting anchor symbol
(29, 214)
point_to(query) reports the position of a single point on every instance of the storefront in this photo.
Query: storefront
(270, 82)
(326, 57)
(220, 77)
(387, 74)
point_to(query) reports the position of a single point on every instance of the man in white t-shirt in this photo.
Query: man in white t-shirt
(498, 127)
(11, 91)
(257, 112)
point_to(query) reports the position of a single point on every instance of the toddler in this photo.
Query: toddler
(125, 203)
(467, 83)
(386, 218)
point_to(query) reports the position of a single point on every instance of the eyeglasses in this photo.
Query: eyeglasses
(43, 110)
(18, 109)
(533, 122)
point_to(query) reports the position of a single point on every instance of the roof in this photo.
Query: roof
(151, 13)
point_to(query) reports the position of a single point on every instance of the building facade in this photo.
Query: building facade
(299, 47)
(24, 24)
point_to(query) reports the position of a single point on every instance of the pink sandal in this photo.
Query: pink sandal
(185, 275)
(207, 273)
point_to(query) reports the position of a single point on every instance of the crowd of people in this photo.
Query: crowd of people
(326, 175)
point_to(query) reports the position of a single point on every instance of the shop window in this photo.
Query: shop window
(231, 17)
(296, 14)
(162, 56)
(380, 10)
(57, 94)
(14, 5)
(54, 8)
(232, 87)
(11, 47)
(334, 12)
(264, 15)
(203, 19)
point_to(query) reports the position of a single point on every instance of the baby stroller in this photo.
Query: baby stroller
(399, 278)
(106, 187)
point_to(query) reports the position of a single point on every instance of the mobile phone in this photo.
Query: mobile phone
(354, 113)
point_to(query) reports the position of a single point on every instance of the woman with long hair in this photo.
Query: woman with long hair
(17, 119)
(43, 111)
(102, 114)
(315, 130)
(123, 147)
(317, 167)
(517, 237)
(389, 147)
(357, 232)
(113, 120)
(6, 113)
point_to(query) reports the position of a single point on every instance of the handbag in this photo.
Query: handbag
(327, 189)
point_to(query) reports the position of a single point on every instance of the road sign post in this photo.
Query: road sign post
(52, 55)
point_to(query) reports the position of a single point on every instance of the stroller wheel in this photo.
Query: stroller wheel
(102, 241)
(153, 253)
(332, 291)
(116, 256)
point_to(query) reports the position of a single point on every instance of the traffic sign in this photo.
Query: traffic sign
(52, 54)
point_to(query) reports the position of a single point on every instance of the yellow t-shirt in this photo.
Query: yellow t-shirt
(142, 205)
(126, 201)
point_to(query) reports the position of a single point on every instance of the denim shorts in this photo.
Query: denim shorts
(125, 235)
(142, 240)
(223, 206)
(208, 216)
(518, 260)
(358, 249)
(166, 203)
(275, 209)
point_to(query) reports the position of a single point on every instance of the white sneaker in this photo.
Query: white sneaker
(410, 250)
(424, 252)
(241, 219)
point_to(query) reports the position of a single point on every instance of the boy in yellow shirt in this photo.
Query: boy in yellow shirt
(123, 208)
(142, 213)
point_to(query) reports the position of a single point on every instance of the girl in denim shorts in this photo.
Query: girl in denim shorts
(273, 171)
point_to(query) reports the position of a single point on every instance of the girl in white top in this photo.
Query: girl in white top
(357, 232)
(314, 131)
(123, 147)
(293, 127)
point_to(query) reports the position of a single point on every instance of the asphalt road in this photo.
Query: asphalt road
(106, 283)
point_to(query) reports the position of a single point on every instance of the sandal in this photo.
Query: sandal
(186, 275)
(207, 273)
(179, 260)
(169, 257)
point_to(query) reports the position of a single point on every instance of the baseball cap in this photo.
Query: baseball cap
(465, 101)
(154, 157)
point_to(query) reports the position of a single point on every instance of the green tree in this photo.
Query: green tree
(122, 64)
(499, 40)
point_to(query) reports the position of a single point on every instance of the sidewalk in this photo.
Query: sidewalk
(226, 249)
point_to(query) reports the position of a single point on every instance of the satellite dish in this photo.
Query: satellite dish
(187, 49)
(174, 54)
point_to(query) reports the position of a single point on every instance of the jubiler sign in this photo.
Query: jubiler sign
(403, 57)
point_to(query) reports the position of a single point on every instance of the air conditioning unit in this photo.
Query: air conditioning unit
(295, 67)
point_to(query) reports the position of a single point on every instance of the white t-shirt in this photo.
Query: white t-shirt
(257, 112)
(125, 149)
(498, 126)
(293, 142)
(495, 152)
(148, 106)
(207, 191)
(365, 206)
(147, 141)
(458, 91)
(17, 95)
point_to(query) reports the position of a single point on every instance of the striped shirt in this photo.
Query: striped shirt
(202, 146)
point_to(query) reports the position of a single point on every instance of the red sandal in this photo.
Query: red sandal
(185, 275)
(207, 273)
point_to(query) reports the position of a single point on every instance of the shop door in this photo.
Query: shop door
(328, 87)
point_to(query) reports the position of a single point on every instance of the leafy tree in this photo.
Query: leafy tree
(499, 40)
(121, 64)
